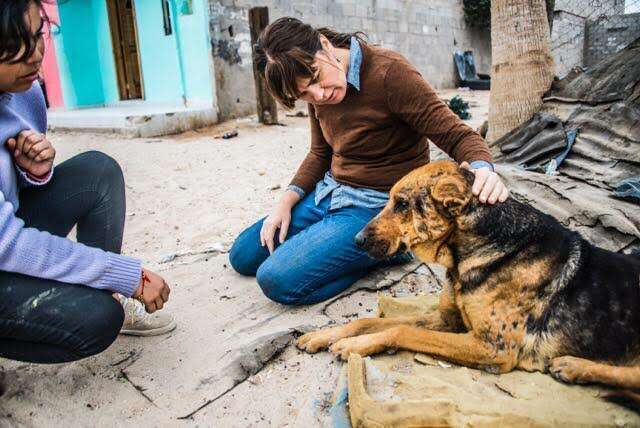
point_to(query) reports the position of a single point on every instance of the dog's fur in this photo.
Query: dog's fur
(524, 292)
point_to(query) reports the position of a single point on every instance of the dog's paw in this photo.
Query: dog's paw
(367, 344)
(318, 340)
(569, 369)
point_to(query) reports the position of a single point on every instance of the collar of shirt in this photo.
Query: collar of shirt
(355, 62)
(346, 196)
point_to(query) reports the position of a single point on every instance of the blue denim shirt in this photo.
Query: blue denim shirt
(343, 195)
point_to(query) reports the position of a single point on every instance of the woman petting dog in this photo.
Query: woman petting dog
(371, 114)
(59, 300)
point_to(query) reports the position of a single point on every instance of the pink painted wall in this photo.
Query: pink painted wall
(50, 69)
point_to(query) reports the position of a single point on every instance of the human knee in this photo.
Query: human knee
(277, 285)
(100, 325)
(246, 254)
(110, 172)
(239, 260)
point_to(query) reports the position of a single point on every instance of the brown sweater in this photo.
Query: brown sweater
(377, 135)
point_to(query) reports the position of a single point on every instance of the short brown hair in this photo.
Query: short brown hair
(285, 52)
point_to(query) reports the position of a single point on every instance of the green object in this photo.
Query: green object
(186, 7)
(460, 107)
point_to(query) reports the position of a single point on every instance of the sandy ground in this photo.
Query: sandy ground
(231, 361)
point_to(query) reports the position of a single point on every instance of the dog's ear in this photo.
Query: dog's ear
(428, 221)
(452, 193)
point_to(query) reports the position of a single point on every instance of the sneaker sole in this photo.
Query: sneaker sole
(155, 332)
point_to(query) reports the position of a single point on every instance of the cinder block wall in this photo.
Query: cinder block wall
(427, 32)
(591, 8)
(569, 36)
(567, 41)
(609, 35)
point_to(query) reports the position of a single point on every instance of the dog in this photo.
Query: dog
(523, 291)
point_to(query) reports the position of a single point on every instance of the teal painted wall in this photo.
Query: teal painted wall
(194, 38)
(158, 54)
(105, 52)
(77, 48)
(87, 66)
(85, 54)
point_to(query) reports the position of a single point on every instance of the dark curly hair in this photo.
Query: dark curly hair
(15, 34)
(285, 51)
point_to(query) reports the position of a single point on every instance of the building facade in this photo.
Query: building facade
(130, 53)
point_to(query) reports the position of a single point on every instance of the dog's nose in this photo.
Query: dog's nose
(360, 239)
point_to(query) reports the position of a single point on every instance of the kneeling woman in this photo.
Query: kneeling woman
(371, 114)
(59, 300)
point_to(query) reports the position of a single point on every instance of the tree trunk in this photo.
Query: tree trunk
(522, 68)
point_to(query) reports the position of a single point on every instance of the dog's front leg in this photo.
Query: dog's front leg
(461, 348)
(322, 339)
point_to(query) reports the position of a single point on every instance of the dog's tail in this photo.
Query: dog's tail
(626, 398)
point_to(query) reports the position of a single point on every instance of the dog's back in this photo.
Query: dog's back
(591, 301)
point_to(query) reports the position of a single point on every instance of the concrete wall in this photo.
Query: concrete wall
(569, 35)
(591, 8)
(567, 41)
(425, 31)
(609, 35)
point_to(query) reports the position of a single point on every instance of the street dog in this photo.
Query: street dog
(523, 291)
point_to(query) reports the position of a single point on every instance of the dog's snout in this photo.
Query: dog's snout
(360, 239)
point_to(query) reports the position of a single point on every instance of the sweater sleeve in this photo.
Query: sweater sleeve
(318, 160)
(414, 101)
(39, 254)
(26, 180)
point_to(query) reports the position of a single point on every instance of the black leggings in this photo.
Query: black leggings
(44, 321)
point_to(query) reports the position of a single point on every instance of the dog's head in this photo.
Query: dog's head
(421, 210)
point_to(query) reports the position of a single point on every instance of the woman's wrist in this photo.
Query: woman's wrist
(290, 198)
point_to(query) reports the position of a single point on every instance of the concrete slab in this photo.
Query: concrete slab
(136, 119)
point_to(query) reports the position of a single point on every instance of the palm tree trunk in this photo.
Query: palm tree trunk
(522, 68)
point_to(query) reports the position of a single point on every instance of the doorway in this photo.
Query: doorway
(122, 20)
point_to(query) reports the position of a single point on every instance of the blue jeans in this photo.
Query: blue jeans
(317, 261)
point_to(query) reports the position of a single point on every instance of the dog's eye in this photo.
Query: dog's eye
(401, 205)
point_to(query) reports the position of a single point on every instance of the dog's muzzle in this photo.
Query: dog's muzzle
(361, 239)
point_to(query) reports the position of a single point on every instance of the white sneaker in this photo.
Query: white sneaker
(137, 322)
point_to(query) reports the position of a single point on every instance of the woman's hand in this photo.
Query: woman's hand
(280, 218)
(32, 152)
(153, 291)
(488, 185)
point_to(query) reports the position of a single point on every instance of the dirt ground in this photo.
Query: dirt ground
(231, 361)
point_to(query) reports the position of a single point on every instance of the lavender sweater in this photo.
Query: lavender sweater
(39, 254)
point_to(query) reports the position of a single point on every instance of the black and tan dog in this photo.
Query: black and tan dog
(524, 292)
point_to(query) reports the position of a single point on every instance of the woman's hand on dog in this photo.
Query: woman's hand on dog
(153, 291)
(488, 185)
(280, 218)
